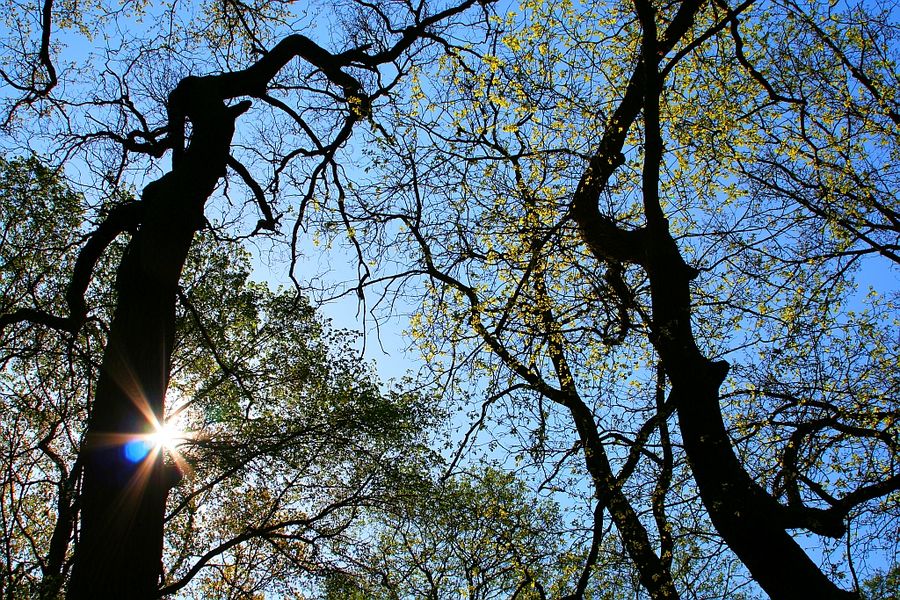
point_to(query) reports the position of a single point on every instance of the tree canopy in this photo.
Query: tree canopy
(645, 253)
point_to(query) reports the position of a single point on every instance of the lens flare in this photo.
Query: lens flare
(136, 450)
(164, 437)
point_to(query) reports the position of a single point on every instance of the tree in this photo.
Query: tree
(634, 211)
(292, 438)
(122, 502)
(882, 585)
(637, 233)
(289, 434)
(42, 376)
(481, 536)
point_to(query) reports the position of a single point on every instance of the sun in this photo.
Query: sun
(166, 436)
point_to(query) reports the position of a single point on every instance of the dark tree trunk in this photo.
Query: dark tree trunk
(120, 545)
(119, 550)
(742, 512)
(753, 524)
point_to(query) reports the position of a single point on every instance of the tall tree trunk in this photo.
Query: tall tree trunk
(119, 550)
(749, 520)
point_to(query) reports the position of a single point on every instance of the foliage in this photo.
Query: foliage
(44, 375)
(291, 436)
(648, 249)
(482, 535)
(288, 434)
(883, 586)
(775, 181)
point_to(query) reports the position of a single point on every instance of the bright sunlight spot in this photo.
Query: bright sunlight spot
(166, 437)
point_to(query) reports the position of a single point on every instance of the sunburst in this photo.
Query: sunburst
(167, 437)
(164, 437)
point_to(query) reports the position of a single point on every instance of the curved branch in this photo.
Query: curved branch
(268, 221)
(120, 219)
(44, 52)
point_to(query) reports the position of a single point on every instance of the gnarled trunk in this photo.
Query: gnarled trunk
(119, 551)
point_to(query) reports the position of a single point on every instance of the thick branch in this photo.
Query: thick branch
(268, 221)
(119, 219)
